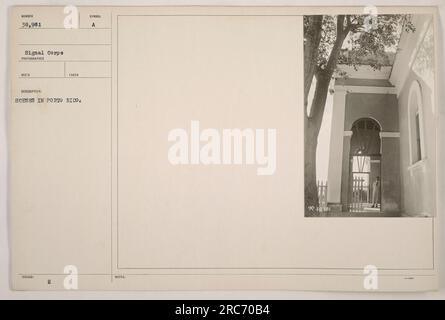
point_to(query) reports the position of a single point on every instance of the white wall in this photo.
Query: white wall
(418, 178)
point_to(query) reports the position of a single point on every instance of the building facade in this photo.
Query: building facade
(383, 132)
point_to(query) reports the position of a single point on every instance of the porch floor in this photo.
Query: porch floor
(371, 214)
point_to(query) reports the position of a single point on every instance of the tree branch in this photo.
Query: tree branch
(341, 35)
(312, 43)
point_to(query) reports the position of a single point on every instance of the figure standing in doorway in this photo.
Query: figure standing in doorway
(376, 193)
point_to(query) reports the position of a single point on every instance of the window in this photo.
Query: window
(418, 147)
(415, 124)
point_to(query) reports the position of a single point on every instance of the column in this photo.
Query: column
(390, 169)
(336, 146)
(345, 173)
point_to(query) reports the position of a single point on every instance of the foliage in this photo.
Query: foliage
(364, 42)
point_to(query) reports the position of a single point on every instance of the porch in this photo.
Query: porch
(359, 204)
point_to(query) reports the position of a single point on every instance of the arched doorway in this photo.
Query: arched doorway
(365, 156)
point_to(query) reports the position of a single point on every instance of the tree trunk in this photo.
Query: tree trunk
(312, 129)
(310, 168)
(312, 42)
(313, 120)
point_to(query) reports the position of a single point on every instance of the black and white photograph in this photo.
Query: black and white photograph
(198, 152)
(370, 115)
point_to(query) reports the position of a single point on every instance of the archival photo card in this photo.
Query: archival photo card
(221, 148)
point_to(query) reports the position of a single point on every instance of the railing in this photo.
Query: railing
(360, 200)
(359, 195)
(322, 187)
